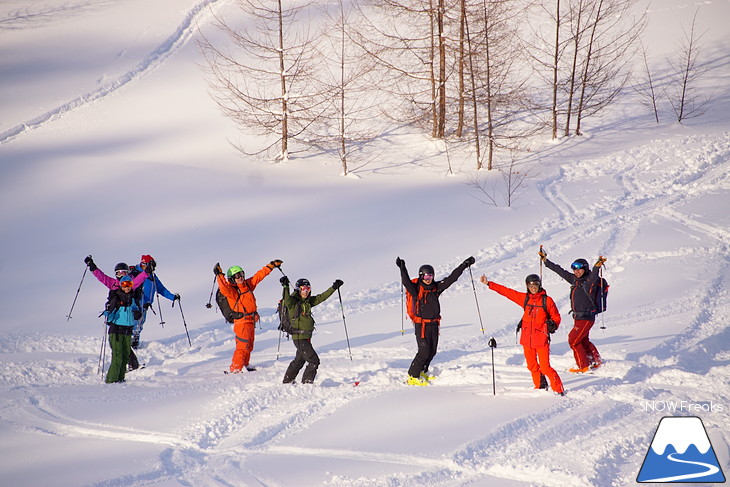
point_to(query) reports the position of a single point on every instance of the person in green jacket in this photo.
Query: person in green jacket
(299, 306)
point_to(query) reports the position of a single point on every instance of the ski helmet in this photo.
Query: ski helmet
(302, 282)
(233, 270)
(533, 278)
(426, 269)
(579, 264)
(121, 267)
(146, 259)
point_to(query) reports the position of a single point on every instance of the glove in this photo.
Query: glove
(542, 254)
(469, 261)
(217, 269)
(176, 297)
(336, 285)
(284, 281)
(275, 263)
(90, 262)
(147, 305)
(137, 314)
(400, 262)
(551, 326)
(150, 268)
(600, 261)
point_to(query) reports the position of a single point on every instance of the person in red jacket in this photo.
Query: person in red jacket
(239, 292)
(539, 319)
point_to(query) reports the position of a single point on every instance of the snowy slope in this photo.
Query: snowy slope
(110, 145)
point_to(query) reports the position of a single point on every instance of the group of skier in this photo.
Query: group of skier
(126, 311)
(131, 294)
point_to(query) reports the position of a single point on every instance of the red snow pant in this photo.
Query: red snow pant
(584, 351)
(244, 330)
(538, 362)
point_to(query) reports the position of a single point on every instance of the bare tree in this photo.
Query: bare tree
(646, 89)
(347, 78)
(612, 40)
(686, 71)
(264, 80)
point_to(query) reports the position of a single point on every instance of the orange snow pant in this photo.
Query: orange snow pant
(244, 331)
(584, 351)
(538, 362)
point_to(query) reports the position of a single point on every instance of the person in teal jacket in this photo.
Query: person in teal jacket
(299, 306)
(152, 285)
(122, 312)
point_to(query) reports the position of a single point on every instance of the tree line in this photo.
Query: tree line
(488, 73)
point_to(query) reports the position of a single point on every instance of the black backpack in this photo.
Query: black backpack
(225, 308)
(285, 323)
(598, 294)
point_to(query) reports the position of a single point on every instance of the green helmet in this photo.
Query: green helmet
(233, 270)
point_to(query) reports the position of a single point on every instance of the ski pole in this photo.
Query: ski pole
(402, 312)
(212, 290)
(493, 344)
(154, 292)
(183, 318)
(102, 351)
(477, 300)
(278, 345)
(600, 285)
(344, 322)
(68, 316)
(540, 264)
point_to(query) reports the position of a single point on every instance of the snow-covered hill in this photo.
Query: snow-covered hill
(110, 145)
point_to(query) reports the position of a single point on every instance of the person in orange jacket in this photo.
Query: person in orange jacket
(239, 292)
(539, 319)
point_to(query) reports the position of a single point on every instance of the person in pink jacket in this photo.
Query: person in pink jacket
(540, 318)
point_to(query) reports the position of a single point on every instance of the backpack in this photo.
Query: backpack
(550, 323)
(226, 310)
(285, 323)
(599, 295)
(412, 305)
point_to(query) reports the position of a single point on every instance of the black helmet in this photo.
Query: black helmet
(533, 278)
(301, 282)
(425, 269)
(121, 267)
(580, 264)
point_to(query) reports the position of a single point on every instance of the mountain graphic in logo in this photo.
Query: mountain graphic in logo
(681, 452)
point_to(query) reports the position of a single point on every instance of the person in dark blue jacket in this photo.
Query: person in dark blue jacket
(152, 285)
(122, 311)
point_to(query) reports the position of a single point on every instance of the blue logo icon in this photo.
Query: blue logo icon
(681, 452)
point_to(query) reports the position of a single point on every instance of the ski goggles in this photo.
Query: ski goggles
(121, 273)
(577, 265)
(126, 283)
(426, 277)
(237, 275)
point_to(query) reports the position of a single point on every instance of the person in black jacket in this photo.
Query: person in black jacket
(583, 297)
(425, 312)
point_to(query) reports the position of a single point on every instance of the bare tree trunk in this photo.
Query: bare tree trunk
(442, 70)
(686, 72)
(472, 77)
(462, 55)
(284, 97)
(556, 59)
(577, 35)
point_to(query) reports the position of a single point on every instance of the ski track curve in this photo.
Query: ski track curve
(152, 61)
(233, 425)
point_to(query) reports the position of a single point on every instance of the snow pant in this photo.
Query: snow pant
(120, 342)
(581, 344)
(428, 343)
(244, 330)
(538, 363)
(305, 353)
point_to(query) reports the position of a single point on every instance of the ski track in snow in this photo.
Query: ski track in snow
(152, 61)
(252, 415)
